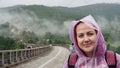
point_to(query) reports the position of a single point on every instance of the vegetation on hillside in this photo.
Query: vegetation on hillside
(38, 24)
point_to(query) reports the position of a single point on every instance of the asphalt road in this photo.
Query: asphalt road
(55, 59)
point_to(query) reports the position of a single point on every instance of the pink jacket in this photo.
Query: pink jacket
(98, 58)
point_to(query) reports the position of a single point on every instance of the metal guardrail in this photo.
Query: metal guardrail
(13, 57)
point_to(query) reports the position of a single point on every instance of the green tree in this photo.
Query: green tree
(118, 49)
(6, 43)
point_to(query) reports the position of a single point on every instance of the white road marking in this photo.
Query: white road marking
(51, 59)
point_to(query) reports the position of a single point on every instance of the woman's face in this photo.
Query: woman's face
(86, 38)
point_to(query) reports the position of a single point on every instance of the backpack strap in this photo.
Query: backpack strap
(110, 57)
(72, 60)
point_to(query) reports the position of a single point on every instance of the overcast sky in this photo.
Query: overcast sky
(66, 3)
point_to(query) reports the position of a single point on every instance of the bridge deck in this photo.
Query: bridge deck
(54, 59)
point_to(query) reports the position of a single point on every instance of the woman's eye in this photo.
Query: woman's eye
(90, 34)
(80, 36)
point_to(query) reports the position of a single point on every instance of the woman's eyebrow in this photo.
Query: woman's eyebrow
(91, 31)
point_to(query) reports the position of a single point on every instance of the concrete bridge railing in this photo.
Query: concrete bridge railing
(13, 57)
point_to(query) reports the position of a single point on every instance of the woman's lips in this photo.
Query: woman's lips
(87, 45)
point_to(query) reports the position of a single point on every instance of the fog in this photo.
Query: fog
(30, 22)
(25, 20)
(110, 26)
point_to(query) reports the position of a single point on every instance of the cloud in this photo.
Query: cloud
(111, 27)
(27, 21)
(66, 3)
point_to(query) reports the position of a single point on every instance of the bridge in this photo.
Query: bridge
(39, 57)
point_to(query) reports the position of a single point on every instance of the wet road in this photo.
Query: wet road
(55, 59)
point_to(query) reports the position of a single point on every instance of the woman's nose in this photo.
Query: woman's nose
(86, 38)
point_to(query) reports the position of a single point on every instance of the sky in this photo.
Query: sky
(65, 3)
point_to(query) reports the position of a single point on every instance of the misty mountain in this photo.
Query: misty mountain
(41, 19)
(108, 11)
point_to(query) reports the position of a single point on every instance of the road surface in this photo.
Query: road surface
(55, 59)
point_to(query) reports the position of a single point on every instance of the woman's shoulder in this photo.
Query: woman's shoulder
(118, 60)
(118, 56)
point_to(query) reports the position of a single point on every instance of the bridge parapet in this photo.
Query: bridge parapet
(13, 57)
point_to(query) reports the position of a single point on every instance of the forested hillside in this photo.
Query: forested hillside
(38, 23)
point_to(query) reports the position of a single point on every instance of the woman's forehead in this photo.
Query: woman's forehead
(82, 27)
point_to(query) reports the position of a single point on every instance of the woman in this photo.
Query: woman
(89, 44)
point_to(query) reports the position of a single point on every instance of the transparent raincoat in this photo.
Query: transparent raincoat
(98, 58)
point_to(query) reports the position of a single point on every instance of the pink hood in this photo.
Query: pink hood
(98, 58)
(100, 42)
(100, 46)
